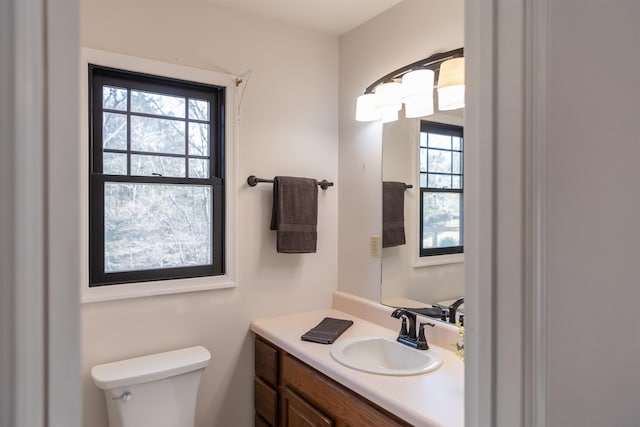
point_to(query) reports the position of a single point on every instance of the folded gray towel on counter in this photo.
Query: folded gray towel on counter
(295, 214)
(327, 331)
(393, 214)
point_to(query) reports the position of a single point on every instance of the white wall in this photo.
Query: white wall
(288, 126)
(410, 31)
(592, 213)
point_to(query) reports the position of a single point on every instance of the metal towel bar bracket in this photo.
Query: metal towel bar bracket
(252, 180)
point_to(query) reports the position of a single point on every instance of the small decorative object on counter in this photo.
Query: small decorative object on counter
(460, 345)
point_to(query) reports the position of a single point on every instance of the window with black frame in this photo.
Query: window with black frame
(441, 189)
(156, 196)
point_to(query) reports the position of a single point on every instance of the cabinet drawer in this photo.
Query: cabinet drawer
(266, 362)
(265, 402)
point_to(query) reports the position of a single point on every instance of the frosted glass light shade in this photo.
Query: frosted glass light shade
(365, 108)
(451, 73)
(417, 88)
(451, 98)
(451, 84)
(389, 116)
(417, 83)
(418, 106)
(389, 97)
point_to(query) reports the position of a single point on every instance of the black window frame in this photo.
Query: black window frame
(98, 77)
(451, 130)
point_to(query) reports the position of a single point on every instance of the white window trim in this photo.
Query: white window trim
(437, 260)
(163, 69)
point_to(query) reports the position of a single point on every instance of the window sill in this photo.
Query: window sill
(438, 260)
(145, 289)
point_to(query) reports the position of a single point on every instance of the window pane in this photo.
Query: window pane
(441, 220)
(439, 181)
(439, 161)
(456, 182)
(457, 143)
(157, 165)
(423, 160)
(439, 141)
(456, 162)
(154, 226)
(114, 98)
(423, 139)
(198, 139)
(114, 131)
(423, 180)
(157, 135)
(198, 168)
(157, 104)
(114, 164)
(198, 110)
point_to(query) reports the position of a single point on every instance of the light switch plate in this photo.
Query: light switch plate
(376, 246)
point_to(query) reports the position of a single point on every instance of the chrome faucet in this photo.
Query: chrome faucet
(410, 337)
(453, 308)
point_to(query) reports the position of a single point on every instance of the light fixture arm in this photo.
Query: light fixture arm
(431, 63)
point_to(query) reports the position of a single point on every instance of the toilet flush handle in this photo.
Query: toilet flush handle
(126, 396)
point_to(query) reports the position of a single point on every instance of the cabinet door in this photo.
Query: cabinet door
(340, 403)
(298, 413)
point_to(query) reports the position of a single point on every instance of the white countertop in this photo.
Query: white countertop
(434, 399)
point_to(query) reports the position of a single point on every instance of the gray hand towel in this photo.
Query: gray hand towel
(295, 214)
(327, 331)
(393, 214)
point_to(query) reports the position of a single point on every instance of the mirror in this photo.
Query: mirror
(408, 279)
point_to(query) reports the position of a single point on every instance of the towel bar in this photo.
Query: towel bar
(252, 180)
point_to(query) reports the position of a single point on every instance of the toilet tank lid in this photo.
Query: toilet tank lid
(150, 368)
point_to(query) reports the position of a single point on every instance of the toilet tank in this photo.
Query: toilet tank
(156, 390)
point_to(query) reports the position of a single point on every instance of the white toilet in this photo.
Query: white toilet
(157, 390)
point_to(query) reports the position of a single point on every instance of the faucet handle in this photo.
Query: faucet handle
(422, 339)
(404, 333)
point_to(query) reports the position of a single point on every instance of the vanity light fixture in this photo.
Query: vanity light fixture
(413, 86)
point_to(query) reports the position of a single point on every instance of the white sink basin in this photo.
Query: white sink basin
(384, 356)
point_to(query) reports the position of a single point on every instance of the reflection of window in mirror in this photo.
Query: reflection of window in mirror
(441, 189)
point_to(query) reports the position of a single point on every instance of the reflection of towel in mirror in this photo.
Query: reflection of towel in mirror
(295, 214)
(393, 214)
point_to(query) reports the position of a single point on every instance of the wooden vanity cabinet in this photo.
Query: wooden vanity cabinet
(290, 393)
